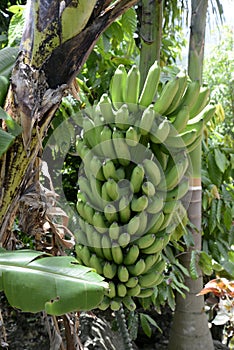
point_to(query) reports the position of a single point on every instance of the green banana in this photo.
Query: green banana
(109, 270)
(121, 290)
(89, 132)
(117, 253)
(132, 136)
(123, 273)
(139, 204)
(160, 131)
(182, 80)
(145, 241)
(181, 119)
(132, 282)
(106, 143)
(150, 279)
(145, 293)
(96, 189)
(88, 213)
(117, 86)
(121, 147)
(205, 115)
(122, 117)
(156, 247)
(129, 303)
(120, 173)
(148, 188)
(155, 222)
(182, 140)
(132, 88)
(137, 177)
(133, 292)
(124, 209)
(156, 204)
(115, 304)
(111, 293)
(143, 218)
(166, 97)
(80, 144)
(170, 206)
(112, 189)
(160, 156)
(80, 208)
(146, 121)
(99, 222)
(124, 239)
(190, 96)
(179, 191)
(131, 255)
(96, 264)
(136, 269)
(150, 85)
(194, 145)
(114, 231)
(105, 303)
(133, 225)
(105, 108)
(84, 186)
(151, 260)
(96, 168)
(108, 169)
(104, 194)
(201, 102)
(96, 240)
(85, 255)
(110, 213)
(152, 171)
(107, 248)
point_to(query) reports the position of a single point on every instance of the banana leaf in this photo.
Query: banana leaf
(34, 281)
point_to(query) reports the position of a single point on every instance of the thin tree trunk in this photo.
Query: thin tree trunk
(151, 34)
(45, 67)
(190, 325)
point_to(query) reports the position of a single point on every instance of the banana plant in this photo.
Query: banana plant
(34, 281)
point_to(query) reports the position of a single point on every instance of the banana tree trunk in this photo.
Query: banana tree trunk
(51, 55)
(190, 326)
(151, 34)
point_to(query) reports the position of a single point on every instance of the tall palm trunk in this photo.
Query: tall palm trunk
(190, 327)
(51, 54)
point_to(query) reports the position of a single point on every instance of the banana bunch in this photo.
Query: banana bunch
(134, 148)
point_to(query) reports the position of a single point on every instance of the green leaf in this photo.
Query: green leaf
(7, 60)
(214, 172)
(33, 281)
(146, 321)
(193, 265)
(129, 22)
(13, 128)
(5, 141)
(220, 160)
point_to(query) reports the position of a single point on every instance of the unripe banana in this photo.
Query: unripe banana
(156, 204)
(121, 290)
(118, 85)
(89, 132)
(201, 102)
(150, 85)
(205, 115)
(86, 256)
(181, 141)
(122, 117)
(156, 247)
(114, 231)
(190, 96)
(132, 88)
(104, 194)
(145, 293)
(111, 293)
(171, 206)
(136, 269)
(156, 222)
(96, 264)
(109, 270)
(159, 132)
(129, 303)
(121, 147)
(133, 225)
(168, 93)
(80, 208)
(132, 136)
(182, 79)
(108, 169)
(110, 213)
(148, 188)
(106, 143)
(96, 168)
(143, 218)
(106, 110)
(139, 204)
(123, 273)
(99, 223)
(181, 119)
(179, 191)
(152, 171)
(151, 278)
(145, 241)
(133, 292)
(132, 282)
(124, 209)
(106, 248)
(146, 121)
(117, 253)
(132, 254)
(88, 213)
(120, 173)
(96, 189)
(137, 177)
(112, 189)
(124, 239)
(151, 260)
(115, 304)
(105, 303)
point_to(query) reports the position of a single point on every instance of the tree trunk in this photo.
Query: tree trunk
(51, 55)
(190, 325)
(151, 34)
